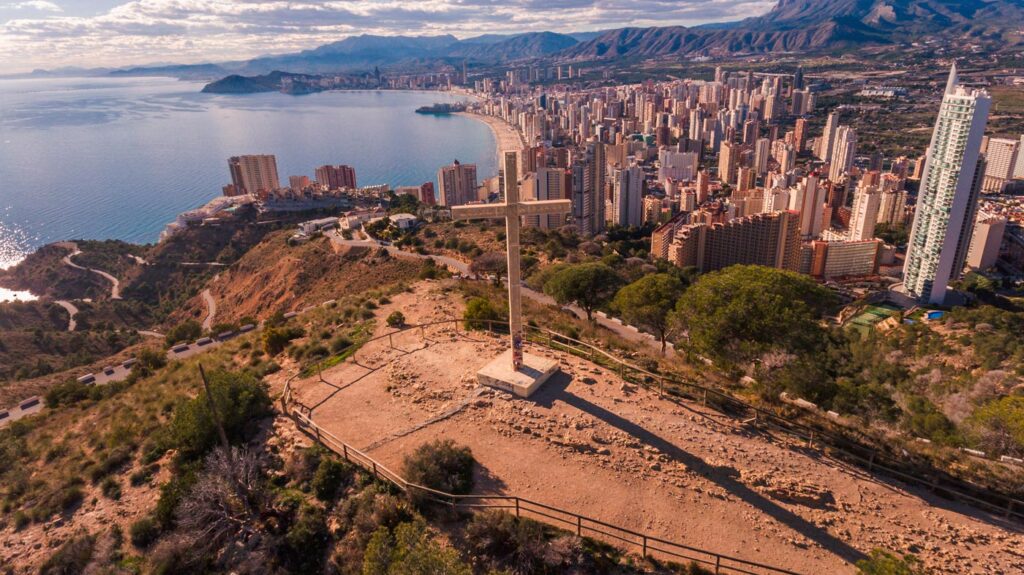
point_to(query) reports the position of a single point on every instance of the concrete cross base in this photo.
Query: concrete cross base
(499, 373)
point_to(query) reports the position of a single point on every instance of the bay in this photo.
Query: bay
(118, 158)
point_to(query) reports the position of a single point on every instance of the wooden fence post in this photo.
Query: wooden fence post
(645, 546)
(718, 564)
(375, 469)
(704, 400)
(517, 507)
(579, 524)
(344, 450)
(1009, 508)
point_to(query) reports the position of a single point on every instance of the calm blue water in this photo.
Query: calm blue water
(119, 158)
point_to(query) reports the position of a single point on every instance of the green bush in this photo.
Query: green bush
(240, 400)
(507, 541)
(66, 393)
(275, 339)
(479, 311)
(147, 361)
(396, 319)
(71, 558)
(881, 562)
(186, 331)
(112, 461)
(171, 494)
(440, 465)
(111, 488)
(340, 344)
(410, 550)
(330, 477)
(307, 539)
(998, 426)
(144, 532)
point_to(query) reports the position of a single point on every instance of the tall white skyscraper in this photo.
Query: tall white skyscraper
(948, 198)
(843, 151)
(828, 138)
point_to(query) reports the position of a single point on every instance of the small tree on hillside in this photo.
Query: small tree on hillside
(587, 285)
(648, 301)
(490, 263)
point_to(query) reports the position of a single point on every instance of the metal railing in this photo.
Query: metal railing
(669, 386)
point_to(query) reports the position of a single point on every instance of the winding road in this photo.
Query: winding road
(211, 309)
(115, 285)
(72, 312)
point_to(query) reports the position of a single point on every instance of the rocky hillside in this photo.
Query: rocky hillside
(802, 25)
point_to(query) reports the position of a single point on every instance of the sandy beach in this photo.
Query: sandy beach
(506, 137)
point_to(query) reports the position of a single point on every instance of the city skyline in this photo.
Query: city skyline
(117, 33)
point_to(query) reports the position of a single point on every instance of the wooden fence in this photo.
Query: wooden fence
(669, 387)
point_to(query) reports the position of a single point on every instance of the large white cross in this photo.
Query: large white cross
(511, 211)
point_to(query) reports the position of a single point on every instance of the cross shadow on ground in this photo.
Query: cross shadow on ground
(556, 390)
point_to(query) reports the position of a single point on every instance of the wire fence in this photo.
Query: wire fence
(670, 387)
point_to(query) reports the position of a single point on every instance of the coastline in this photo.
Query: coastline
(506, 137)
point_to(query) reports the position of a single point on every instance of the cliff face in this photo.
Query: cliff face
(803, 25)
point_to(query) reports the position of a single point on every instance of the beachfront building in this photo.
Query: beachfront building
(254, 174)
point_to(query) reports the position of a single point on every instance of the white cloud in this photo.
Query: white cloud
(39, 5)
(141, 31)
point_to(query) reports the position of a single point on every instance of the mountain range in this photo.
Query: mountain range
(791, 26)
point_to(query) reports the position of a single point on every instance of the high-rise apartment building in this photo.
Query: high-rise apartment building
(762, 239)
(256, 174)
(728, 161)
(1000, 163)
(948, 196)
(336, 177)
(800, 135)
(679, 166)
(986, 241)
(549, 184)
(892, 207)
(627, 196)
(588, 185)
(828, 138)
(808, 198)
(864, 214)
(456, 184)
(844, 149)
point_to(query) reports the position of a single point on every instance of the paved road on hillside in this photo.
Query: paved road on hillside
(115, 285)
(625, 332)
(211, 309)
(72, 312)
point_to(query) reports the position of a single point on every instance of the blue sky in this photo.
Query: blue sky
(55, 33)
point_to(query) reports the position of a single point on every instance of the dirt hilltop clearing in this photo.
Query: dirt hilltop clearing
(590, 443)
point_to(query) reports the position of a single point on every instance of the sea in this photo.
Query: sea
(119, 158)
